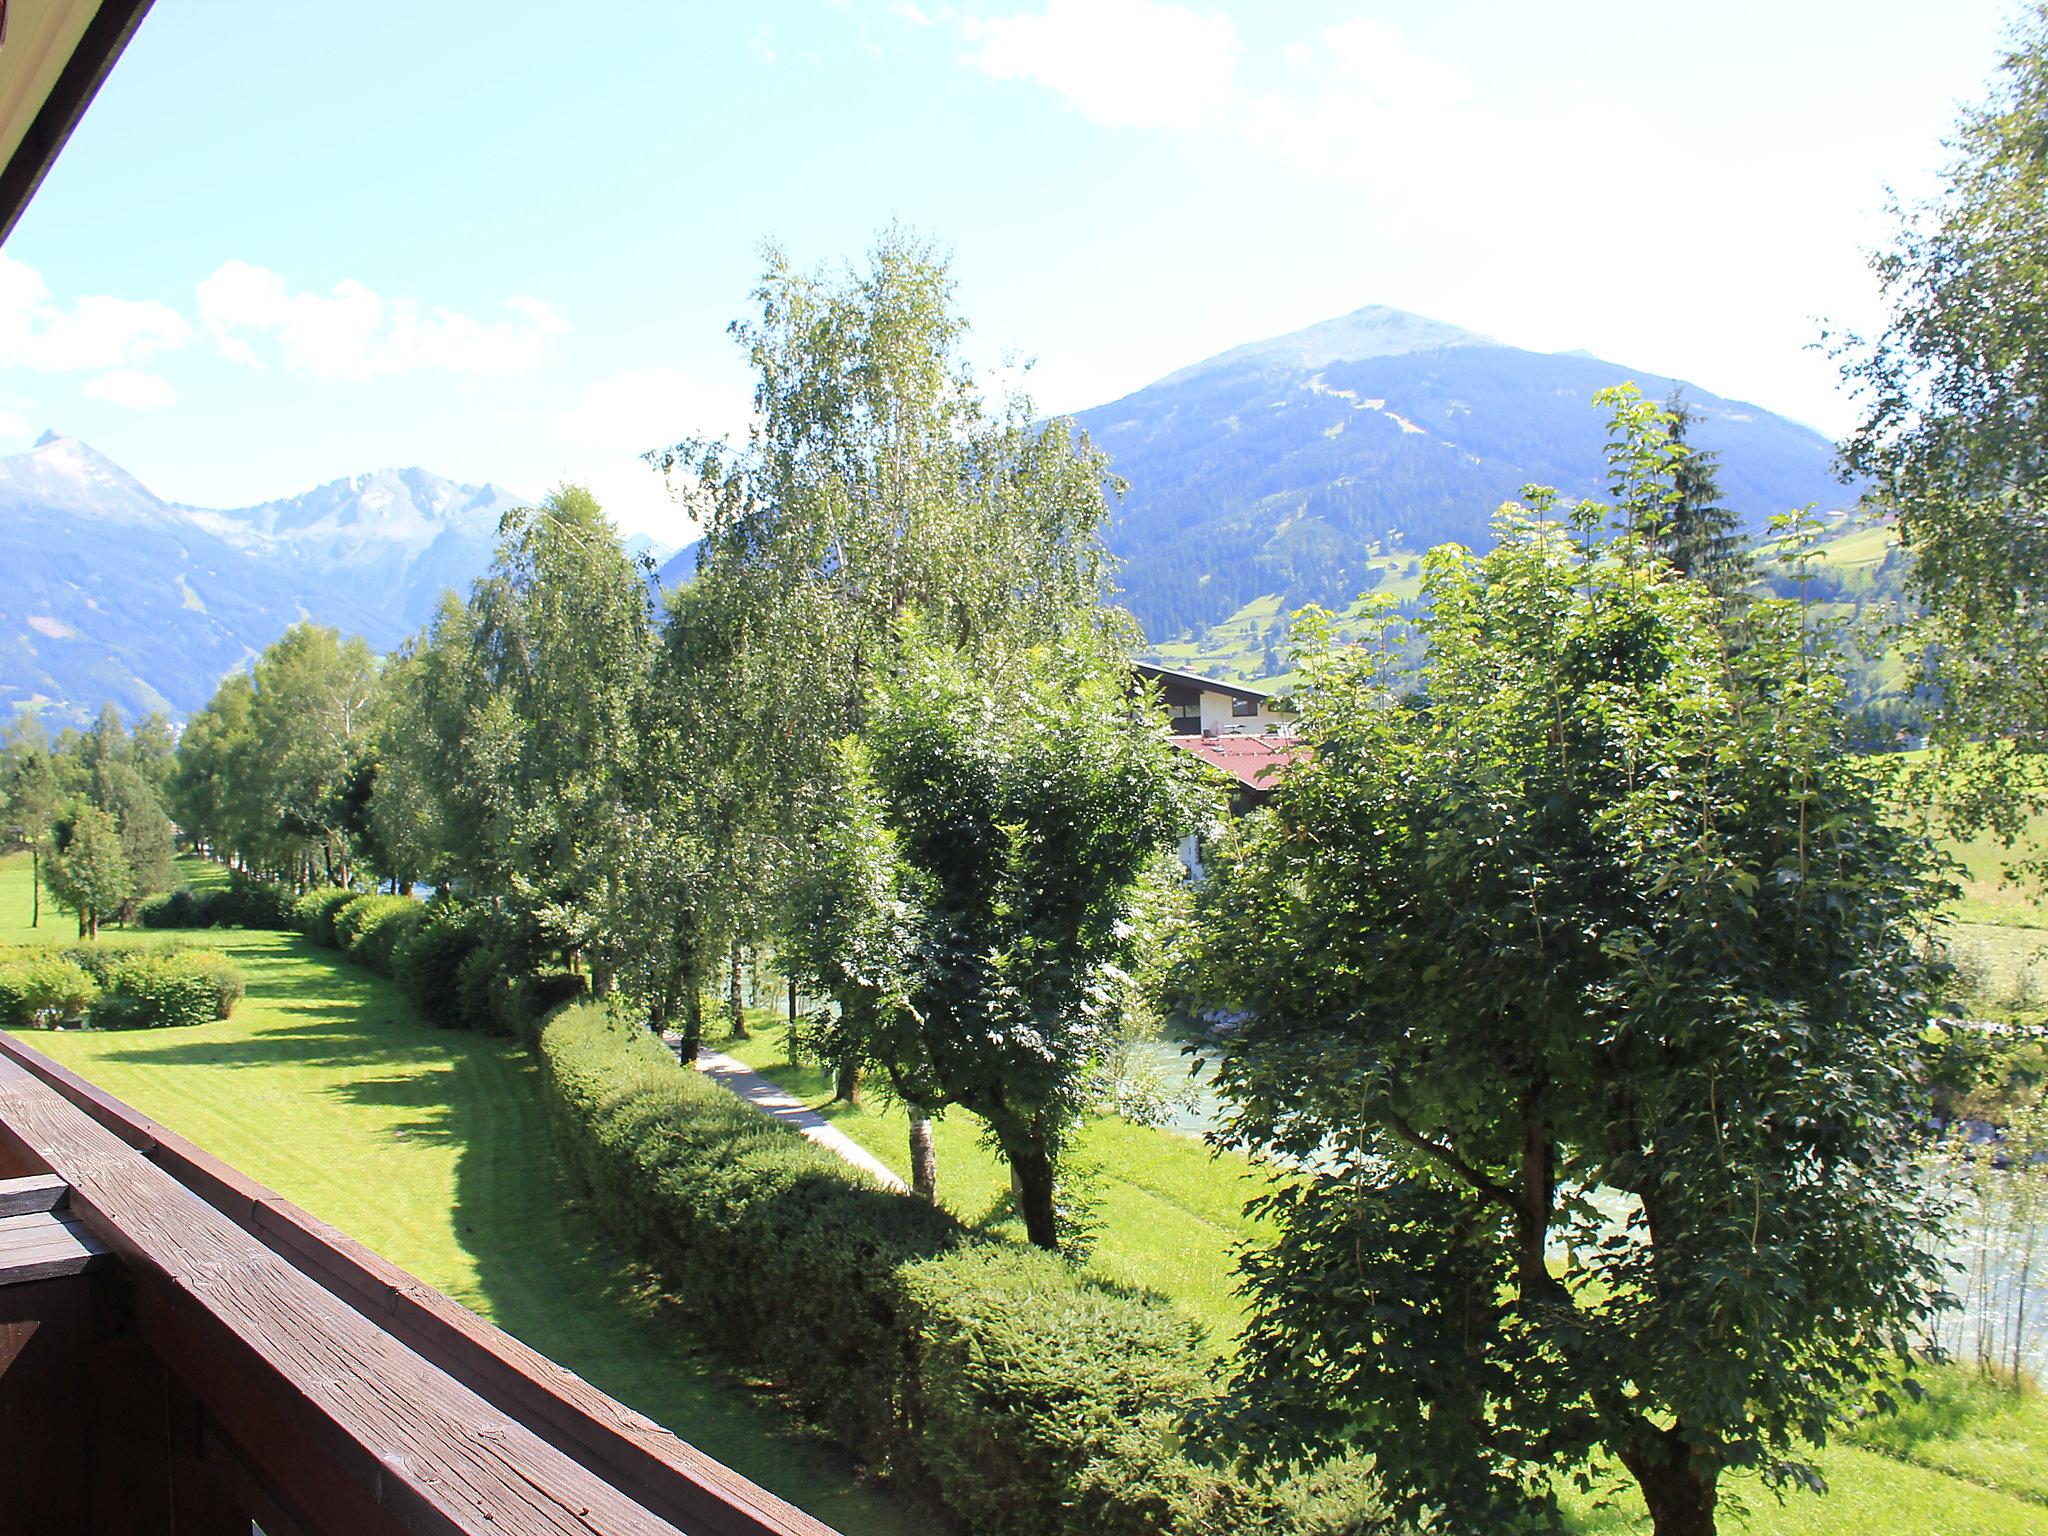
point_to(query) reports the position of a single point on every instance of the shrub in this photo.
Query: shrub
(480, 982)
(175, 909)
(370, 928)
(313, 914)
(228, 986)
(43, 991)
(159, 989)
(251, 903)
(428, 963)
(1028, 1398)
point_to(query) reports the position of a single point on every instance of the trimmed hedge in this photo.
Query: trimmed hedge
(370, 928)
(113, 988)
(428, 963)
(1024, 1396)
(241, 903)
(44, 991)
(313, 914)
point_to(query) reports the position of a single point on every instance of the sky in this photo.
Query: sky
(295, 242)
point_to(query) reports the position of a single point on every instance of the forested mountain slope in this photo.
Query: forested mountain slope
(1281, 468)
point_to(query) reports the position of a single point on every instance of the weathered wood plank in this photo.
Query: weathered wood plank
(45, 1246)
(31, 1193)
(667, 1474)
(282, 1363)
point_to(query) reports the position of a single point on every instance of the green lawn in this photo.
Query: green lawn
(432, 1147)
(1158, 1210)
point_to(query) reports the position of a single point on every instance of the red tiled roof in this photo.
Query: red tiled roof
(1255, 761)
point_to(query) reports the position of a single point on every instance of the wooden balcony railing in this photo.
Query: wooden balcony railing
(182, 1350)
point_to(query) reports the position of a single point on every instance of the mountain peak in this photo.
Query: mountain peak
(1374, 331)
(71, 473)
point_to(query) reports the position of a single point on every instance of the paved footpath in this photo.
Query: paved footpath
(771, 1098)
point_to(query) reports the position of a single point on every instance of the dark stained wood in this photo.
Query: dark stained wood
(45, 1246)
(44, 1336)
(127, 1436)
(30, 1193)
(666, 1474)
(351, 1431)
(203, 1501)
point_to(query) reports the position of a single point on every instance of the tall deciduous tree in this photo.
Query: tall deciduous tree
(1954, 435)
(976, 913)
(29, 797)
(877, 478)
(524, 706)
(1583, 996)
(89, 873)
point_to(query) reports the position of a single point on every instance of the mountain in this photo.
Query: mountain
(113, 593)
(1282, 468)
(403, 535)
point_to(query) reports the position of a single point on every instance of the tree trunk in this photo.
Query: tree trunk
(847, 1089)
(1031, 1181)
(736, 997)
(693, 1021)
(35, 884)
(1678, 1487)
(924, 1159)
(795, 1056)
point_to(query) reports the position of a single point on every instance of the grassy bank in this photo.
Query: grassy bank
(1153, 1209)
(432, 1148)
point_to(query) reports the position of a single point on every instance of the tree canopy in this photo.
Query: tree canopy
(1584, 986)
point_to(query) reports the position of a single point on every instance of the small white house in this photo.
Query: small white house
(1207, 706)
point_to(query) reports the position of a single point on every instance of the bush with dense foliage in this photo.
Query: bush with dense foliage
(370, 929)
(181, 908)
(313, 914)
(113, 988)
(428, 963)
(1025, 1397)
(44, 990)
(241, 903)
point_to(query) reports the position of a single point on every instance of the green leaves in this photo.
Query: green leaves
(1605, 950)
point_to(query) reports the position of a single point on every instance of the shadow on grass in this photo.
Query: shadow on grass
(542, 1264)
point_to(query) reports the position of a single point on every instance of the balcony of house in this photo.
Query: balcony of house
(183, 1351)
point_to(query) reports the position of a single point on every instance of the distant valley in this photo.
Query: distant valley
(1305, 468)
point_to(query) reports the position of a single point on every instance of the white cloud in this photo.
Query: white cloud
(647, 408)
(12, 424)
(133, 388)
(351, 333)
(96, 332)
(910, 11)
(1372, 53)
(1122, 63)
(619, 418)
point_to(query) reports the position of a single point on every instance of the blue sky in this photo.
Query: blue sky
(292, 242)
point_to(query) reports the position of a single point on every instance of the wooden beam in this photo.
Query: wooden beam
(113, 24)
(35, 1192)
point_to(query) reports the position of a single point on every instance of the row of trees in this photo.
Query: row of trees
(89, 808)
(887, 730)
